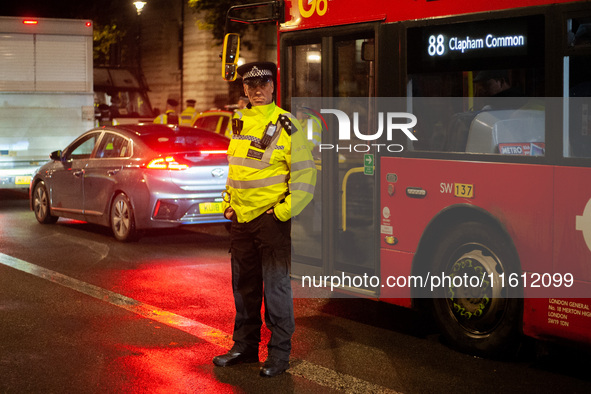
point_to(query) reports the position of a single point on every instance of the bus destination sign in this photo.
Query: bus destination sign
(440, 45)
(434, 48)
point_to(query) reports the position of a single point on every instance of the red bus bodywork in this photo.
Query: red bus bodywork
(545, 209)
(325, 13)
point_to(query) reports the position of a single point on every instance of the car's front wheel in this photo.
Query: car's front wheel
(41, 204)
(122, 219)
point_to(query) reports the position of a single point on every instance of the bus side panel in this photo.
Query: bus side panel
(395, 267)
(567, 317)
(320, 13)
(519, 196)
(558, 318)
(572, 209)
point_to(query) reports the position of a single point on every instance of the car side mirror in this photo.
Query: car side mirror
(56, 155)
(230, 57)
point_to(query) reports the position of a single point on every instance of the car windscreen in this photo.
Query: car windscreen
(185, 141)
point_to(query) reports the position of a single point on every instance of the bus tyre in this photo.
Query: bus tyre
(473, 315)
(41, 205)
(122, 219)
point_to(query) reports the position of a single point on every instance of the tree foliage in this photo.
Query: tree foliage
(106, 38)
(214, 13)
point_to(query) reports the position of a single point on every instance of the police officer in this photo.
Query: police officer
(188, 115)
(170, 116)
(271, 178)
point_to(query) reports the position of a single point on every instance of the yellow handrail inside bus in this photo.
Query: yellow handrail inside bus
(470, 91)
(344, 195)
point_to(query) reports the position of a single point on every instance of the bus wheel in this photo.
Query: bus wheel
(122, 219)
(473, 315)
(41, 205)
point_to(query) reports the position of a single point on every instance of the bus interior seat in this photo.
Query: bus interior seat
(457, 131)
(583, 34)
(491, 128)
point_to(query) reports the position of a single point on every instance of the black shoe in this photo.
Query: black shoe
(273, 367)
(233, 357)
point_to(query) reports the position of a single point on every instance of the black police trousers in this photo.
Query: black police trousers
(261, 264)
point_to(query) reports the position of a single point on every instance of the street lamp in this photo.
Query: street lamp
(139, 6)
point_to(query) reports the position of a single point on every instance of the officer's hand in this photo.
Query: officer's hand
(272, 212)
(229, 213)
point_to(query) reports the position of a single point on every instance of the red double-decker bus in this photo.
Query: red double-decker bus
(494, 188)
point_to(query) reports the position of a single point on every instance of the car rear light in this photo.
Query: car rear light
(214, 152)
(164, 210)
(166, 163)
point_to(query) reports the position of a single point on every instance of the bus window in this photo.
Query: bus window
(490, 106)
(579, 32)
(304, 79)
(577, 85)
(353, 77)
(485, 111)
(304, 71)
(353, 74)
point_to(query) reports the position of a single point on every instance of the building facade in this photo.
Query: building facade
(181, 60)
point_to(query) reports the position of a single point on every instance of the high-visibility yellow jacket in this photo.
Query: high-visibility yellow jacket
(281, 176)
(188, 116)
(169, 117)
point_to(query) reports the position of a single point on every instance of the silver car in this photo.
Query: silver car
(134, 177)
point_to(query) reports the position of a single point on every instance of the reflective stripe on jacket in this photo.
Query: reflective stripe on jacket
(281, 176)
(169, 117)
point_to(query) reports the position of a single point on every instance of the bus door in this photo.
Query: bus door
(335, 235)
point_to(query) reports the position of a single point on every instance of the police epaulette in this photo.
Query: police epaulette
(237, 125)
(285, 123)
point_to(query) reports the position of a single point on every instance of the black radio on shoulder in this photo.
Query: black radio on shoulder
(237, 125)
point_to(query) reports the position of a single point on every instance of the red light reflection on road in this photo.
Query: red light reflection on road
(171, 369)
(196, 289)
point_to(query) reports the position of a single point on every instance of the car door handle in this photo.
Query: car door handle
(78, 174)
(113, 172)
